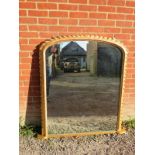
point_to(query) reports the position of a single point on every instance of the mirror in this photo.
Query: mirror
(81, 86)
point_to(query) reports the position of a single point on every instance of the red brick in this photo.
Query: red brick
(78, 1)
(130, 3)
(131, 48)
(68, 21)
(45, 34)
(98, 2)
(28, 34)
(27, 47)
(23, 83)
(130, 65)
(130, 70)
(130, 17)
(58, 1)
(25, 66)
(58, 14)
(125, 96)
(131, 95)
(129, 90)
(125, 10)
(98, 15)
(124, 24)
(37, 0)
(47, 21)
(21, 93)
(67, 7)
(47, 6)
(128, 30)
(38, 28)
(38, 13)
(131, 54)
(22, 13)
(87, 22)
(108, 35)
(23, 41)
(87, 8)
(116, 16)
(131, 85)
(27, 5)
(132, 37)
(94, 29)
(26, 72)
(116, 2)
(128, 76)
(85, 29)
(24, 54)
(129, 42)
(112, 30)
(75, 29)
(23, 28)
(25, 89)
(35, 41)
(106, 23)
(106, 9)
(58, 28)
(122, 36)
(28, 20)
(78, 15)
(130, 81)
(23, 98)
(131, 60)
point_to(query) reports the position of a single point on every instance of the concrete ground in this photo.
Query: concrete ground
(90, 145)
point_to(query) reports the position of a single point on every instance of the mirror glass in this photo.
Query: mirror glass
(83, 86)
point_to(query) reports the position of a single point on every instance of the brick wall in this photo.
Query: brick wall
(42, 19)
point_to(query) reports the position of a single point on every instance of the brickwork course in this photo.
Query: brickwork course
(42, 19)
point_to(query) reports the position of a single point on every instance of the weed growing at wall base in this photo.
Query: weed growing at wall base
(129, 124)
(29, 130)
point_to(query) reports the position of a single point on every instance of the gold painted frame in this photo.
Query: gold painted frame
(42, 51)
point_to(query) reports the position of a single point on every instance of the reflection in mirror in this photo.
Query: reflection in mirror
(83, 86)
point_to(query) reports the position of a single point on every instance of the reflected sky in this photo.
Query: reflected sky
(83, 44)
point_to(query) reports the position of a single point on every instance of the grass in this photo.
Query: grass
(28, 130)
(129, 124)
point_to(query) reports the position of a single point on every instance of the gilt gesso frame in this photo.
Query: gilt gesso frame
(42, 61)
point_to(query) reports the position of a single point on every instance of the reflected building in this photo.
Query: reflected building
(103, 59)
(74, 50)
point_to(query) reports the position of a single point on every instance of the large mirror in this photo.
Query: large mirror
(82, 87)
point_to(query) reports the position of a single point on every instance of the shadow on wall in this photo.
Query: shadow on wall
(33, 111)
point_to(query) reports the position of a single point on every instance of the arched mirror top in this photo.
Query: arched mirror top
(59, 39)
